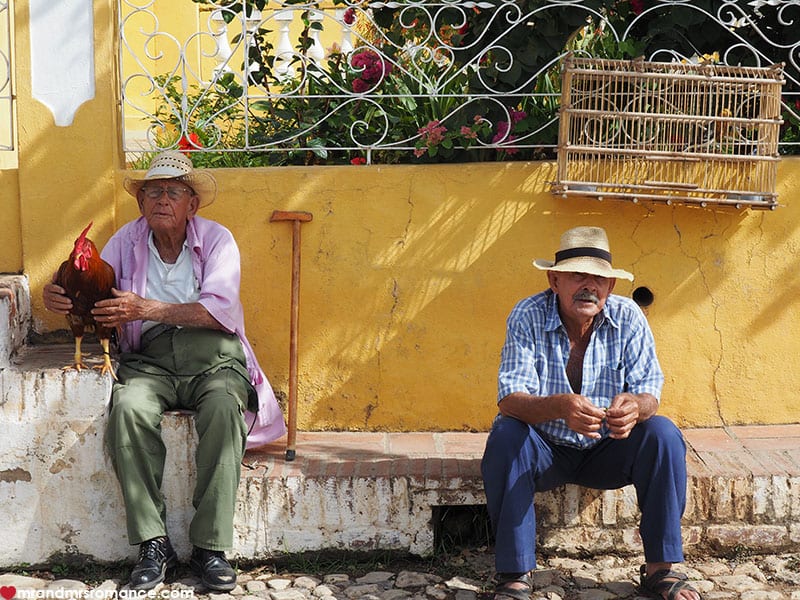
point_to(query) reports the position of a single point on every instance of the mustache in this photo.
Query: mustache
(586, 295)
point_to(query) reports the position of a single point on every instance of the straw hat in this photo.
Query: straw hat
(584, 250)
(173, 164)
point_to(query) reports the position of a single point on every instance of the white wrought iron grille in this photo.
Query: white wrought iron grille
(6, 88)
(260, 82)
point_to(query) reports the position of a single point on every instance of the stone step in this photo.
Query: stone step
(347, 490)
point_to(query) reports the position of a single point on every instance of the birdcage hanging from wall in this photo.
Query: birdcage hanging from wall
(669, 132)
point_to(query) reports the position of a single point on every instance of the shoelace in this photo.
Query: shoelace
(152, 549)
(206, 555)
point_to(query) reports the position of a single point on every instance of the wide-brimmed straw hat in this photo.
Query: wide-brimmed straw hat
(173, 164)
(584, 250)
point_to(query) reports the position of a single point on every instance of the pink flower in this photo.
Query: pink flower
(433, 133)
(420, 151)
(637, 6)
(517, 116)
(467, 132)
(349, 16)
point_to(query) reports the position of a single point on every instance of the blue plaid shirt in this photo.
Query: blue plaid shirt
(620, 357)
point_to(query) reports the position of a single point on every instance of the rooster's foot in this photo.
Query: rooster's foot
(107, 369)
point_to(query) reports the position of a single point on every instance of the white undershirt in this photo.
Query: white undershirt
(174, 283)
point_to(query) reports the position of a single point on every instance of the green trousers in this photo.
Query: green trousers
(189, 368)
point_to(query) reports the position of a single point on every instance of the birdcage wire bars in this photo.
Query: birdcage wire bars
(669, 132)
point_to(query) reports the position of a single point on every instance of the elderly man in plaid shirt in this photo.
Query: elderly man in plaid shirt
(578, 390)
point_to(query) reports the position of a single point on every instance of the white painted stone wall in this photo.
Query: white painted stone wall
(15, 315)
(58, 492)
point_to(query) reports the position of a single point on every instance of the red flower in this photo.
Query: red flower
(360, 86)
(502, 132)
(372, 70)
(358, 160)
(349, 16)
(637, 6)
(190, 143)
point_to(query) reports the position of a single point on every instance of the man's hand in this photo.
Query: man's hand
(622, 415)
(581, 415)
(122, 308)
(127, 306)
(55, 299)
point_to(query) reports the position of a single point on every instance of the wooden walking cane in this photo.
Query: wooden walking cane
(296, 217)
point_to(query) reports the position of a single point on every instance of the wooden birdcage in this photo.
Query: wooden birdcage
(669, 132)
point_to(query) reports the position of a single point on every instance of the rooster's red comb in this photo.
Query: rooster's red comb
(82, 236)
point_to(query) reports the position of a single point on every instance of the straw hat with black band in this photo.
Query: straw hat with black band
(173, 164)
(584, 250)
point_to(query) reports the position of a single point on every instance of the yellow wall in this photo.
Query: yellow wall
(11, 246)
(409, 272)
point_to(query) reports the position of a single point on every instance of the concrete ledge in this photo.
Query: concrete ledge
(753, 503)
(15, 315)
(347, 490)
(58, 491)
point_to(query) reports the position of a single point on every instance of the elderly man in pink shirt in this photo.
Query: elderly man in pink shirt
(183, 345)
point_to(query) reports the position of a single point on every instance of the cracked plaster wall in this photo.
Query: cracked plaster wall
(409, 273)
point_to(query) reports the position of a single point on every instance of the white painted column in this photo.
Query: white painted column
(62, 55)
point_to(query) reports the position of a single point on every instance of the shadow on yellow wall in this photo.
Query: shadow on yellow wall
(409, 272)
(408, 275)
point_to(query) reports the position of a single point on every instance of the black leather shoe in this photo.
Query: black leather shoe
(213, 569)
(156, 557)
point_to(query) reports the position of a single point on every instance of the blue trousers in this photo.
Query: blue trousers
(518, 462)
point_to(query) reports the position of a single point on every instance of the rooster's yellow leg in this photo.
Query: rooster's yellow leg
(106, 367)
(77, 362)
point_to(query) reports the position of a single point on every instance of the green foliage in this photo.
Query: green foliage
(466, 93)
(790, 130)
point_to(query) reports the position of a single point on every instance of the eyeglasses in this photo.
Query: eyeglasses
(155, 192)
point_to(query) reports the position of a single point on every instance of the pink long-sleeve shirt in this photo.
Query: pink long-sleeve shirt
(216, 264)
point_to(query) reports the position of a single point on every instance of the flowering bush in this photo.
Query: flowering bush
(423, 84)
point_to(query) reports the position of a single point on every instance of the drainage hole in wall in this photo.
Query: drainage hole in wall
(461, 526)
(643, 296)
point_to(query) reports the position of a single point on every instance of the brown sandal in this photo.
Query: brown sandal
(662, 581)
(504, 591)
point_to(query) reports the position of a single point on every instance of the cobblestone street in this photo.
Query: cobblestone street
(462, 577)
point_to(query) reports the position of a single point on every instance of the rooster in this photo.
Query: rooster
(87, 278)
